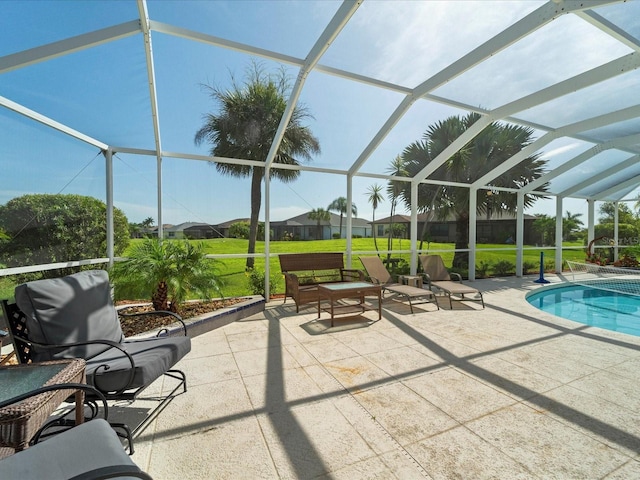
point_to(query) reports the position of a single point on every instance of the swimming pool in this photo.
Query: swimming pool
(591, 306)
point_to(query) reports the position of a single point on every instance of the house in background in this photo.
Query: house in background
(494, 229)
(225, 227)
(192, 231)
(302, 227)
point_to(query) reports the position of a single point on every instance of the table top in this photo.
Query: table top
(336, 287)
(19, 379)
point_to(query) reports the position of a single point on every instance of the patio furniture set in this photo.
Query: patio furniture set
(69, 344)
(318, 278)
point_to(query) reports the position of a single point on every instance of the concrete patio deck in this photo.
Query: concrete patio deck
(505, 392)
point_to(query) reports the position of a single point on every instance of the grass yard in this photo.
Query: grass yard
(237, 282)
(232, 270)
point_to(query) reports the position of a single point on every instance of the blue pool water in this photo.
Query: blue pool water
(591, 306)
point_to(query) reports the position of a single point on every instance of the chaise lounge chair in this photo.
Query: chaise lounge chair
(437, 275)
(379, 275)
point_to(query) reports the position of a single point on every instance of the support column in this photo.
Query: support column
(108, 156)
(414, 229)
(558, 259)
(267, 233)
(616, 224)
(519, 233)
(473, 207)
(349, 218)
(590, 220)
(159, 193)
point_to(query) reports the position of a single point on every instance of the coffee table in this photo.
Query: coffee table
(334, 292)
(20, 421)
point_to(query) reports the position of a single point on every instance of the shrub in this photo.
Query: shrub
(44, 228)
(256, 281)
(504, 267)
(482, 270)
(529, 267)
(239, 230)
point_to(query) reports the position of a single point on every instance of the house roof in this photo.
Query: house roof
(183, 226)
(334, 221)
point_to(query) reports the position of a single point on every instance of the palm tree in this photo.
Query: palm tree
(570, 224)
(394, 189)
(340, 205)
(375, 198)
(147, 222)
(490, 148)
(319, 215)
(166, 272)
(244, 128)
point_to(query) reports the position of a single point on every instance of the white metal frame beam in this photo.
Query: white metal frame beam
(67, 46)
(335, 26)
(567, 130)
(629, 162)
(24, 111)
(507, 37)
(583, 157)
(632, 182)
(153, 96)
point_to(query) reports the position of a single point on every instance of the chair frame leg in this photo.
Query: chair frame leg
(178, 375)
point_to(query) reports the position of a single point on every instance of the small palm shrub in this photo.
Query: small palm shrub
(482, 270)
(504, 267)
(167, 273)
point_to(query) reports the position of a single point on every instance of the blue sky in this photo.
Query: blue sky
(103, 93)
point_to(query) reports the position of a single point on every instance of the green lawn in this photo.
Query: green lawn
(236, 280)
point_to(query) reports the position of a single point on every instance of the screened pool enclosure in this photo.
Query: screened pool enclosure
(104, 98)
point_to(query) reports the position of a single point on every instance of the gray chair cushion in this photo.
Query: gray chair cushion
(90, 446)
(75, 308)
(152, 357)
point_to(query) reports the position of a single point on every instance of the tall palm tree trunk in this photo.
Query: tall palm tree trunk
(429, 216)
(373, 230)
(389, 238)
(256, 201)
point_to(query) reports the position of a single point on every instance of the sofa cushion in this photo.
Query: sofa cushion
(75, 308)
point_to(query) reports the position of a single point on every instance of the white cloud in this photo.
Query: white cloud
(560, 150)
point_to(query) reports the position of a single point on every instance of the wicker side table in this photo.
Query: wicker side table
(19, 422)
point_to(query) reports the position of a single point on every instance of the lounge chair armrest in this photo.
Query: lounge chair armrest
(351, 274)
(374, 280)
(426, 279)
(456, 277)
(292, 283)
(121, 312)
(109, 343)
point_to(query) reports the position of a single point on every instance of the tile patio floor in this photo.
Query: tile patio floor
(506, 392)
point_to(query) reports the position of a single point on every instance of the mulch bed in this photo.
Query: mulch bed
(143, 323)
